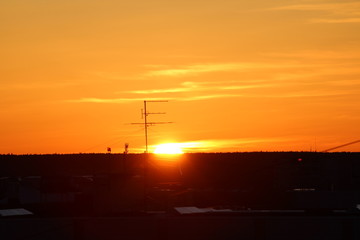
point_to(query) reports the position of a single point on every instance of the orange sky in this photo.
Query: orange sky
(239, 75)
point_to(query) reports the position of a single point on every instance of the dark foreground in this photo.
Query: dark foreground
(288, 195)
(183, 227)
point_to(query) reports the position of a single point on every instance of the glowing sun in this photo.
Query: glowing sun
(168, 148)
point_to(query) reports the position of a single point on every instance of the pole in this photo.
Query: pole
(146, 160)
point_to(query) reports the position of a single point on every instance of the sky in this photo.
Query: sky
(280, 75)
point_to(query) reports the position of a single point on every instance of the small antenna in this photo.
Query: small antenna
(126, 151)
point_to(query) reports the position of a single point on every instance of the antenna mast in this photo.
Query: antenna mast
(145, 114)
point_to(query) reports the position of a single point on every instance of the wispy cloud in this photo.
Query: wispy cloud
(316, 55)
(186, 87)
(343, 12)
(195, 91)
(301, 94)
(341, 20)
(207, 97)
(240, 87)
(343, 7)
(192, 69)
(287, 75)
(112, 100)
(202, 87)
(207, 68)
(38, 85)
(279, 93)
(127, 100)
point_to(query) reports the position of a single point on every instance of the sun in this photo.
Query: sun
(168, 148)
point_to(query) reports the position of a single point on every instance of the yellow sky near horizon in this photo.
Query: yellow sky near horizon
(239, 75)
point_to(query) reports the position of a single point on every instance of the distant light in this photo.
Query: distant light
(300, 159)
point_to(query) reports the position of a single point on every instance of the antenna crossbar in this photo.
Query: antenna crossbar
(156, 101)
(151, 123)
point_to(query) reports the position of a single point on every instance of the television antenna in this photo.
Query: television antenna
(146, 123)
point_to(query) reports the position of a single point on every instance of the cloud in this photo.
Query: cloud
(287, 75)
(207, 68)
(192, 69)
(168, 90)
(274, 94)
(343, 20)
(187, 87)
(207, 97)
(302, 94)
(127, 100)
(345, 8)
(239, 87)
(316, 55)
(343, 12)
(113, 100)
(38, 85)
(197, 91)
(201, 87)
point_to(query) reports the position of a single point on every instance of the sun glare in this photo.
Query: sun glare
(168, 148)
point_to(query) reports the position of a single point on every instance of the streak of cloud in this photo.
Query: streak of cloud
(239, 87)
(343, 20)
(345, 7)
(316, 55)
(207, 97)
(192, 69)
(168, 90)
(300, 95)
(127, 100)
(345, 12)
(113, 100)
(38, 85)
(290, 75)
(207, 68)
(201, 87)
